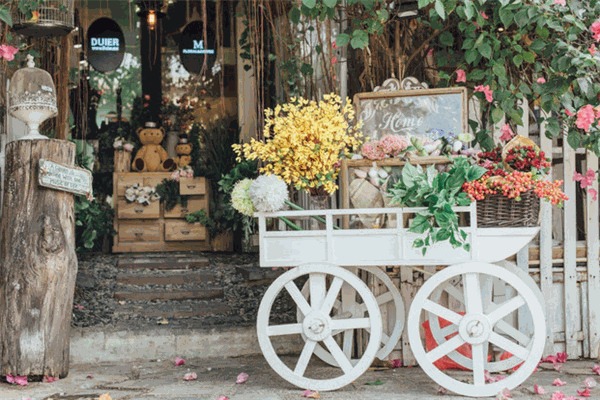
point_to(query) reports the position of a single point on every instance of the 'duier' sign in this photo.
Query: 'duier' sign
(66, 178)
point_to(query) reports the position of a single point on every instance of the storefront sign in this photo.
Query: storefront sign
(105, 45)
(194, 47)
(66, 178)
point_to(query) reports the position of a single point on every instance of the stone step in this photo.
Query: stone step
(181, 310)
(167, 278)
(162, 261)
(141, 295)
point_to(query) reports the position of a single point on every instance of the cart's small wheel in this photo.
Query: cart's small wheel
(318, 324)
(440, 334)
(349, 304)
(478, 328)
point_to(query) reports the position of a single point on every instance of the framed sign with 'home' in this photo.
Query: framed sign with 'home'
(66, 178)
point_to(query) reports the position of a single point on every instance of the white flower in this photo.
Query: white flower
(143, 199)
(109, 200)
(269, 193)
(118, 144)
(240, 198)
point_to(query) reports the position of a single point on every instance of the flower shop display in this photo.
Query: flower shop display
(304, 142)
(143, 195)
(151, 157)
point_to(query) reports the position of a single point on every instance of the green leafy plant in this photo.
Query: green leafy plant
(439, 192)
(168, 190)
(93, 220)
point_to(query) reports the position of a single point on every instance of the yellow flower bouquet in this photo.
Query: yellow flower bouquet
(304, 141)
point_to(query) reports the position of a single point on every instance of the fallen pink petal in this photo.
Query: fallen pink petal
(558, 382)
(179, 361)
(557, 396)
(223, 398)
(596, 369)
(190, 376)
(562, 357)
(49, 379)
(396, 363)
(538, 389)
(441, 390)
(90, 376)
(552, 359)
(242, 378)
(590, 383)
(21, 380)
(557, 366)
(584, 393)
(504, 394)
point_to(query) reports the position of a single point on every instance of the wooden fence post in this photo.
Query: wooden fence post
(38, 264)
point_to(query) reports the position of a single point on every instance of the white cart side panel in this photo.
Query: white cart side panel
(288, 251)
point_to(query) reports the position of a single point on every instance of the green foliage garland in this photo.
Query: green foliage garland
(168, 190)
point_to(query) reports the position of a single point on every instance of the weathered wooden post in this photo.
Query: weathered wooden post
(38, 263)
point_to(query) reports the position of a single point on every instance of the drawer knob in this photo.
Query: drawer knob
(139, 210)
(191, 186)
(138, 234)
(185, 231)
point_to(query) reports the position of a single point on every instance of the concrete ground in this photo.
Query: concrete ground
(160, 379)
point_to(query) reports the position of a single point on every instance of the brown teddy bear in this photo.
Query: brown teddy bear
(152, 157)
(183, 149)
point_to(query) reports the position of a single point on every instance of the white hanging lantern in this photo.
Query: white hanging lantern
(32, 98)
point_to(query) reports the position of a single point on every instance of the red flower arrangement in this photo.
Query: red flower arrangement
(528, 159)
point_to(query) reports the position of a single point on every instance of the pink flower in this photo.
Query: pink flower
(584, 393)
(397, 363)
(585, 117)
(507, 133)
(592, 49)
(223, 398)
(541, 80)
(19, 380)
(309, 393)
(557, 366)
(334, 60)
(461, 76)
(8, 52)
(190, 376)
(49, 379)
(504, 394)
(430, 52)
(372, 151)
(485, 16)
(569, 113)
(562, 357)
(392, 145)
(558, 395)
(594, 194)
(595, 28)
(560, 2)
(558, 382)
(538, 389)
(590, 383)
(243, 377)
(179, 361)
(334, 46)
(441, 390)
(128, 147)
(596, 369)
(587, 180)
(487, 91)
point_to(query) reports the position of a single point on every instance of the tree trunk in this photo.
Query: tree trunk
(38, 263)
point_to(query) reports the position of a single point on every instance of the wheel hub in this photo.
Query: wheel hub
(474, 328)
(316, 326)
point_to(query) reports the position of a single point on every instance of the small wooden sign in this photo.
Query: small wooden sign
(63, 177)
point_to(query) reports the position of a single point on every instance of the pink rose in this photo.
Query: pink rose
(485, 16)
(334, 60)
(560, 2)
(8, 52)
(585, 117)
(461, 76)
(128, 147)
(569, 113)
(334, 45)
(595, 28)
(487, 91)
(541, 80)
(507, 133)
(592, 49)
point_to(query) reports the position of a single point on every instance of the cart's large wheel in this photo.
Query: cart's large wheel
(318, 325)
(477, 328)
(440, 334)
(349, 304)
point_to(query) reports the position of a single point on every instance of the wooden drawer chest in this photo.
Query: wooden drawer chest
(152, 228)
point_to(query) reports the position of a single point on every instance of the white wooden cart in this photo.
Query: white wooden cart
(334, 302)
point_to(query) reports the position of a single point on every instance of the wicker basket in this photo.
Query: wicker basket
(502, 212)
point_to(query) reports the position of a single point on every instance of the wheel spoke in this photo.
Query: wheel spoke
(513, 332)
(332, 295)
(449, 330)
(510, 346)
(317, 290)
(440, 311)
(338, 354)
(351, 323)
(384, 298)
(444, 348)
(472, 292)
(302, 363)
(298, 298)
(454, 292)
(347, 345)
(506, 308)
(287, 329)
(478, 364)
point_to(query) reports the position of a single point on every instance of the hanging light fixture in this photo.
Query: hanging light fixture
(151, 11)
(151, 19)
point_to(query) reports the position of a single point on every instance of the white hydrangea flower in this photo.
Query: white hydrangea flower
(240, 198)
(269, 193)
(143, 199)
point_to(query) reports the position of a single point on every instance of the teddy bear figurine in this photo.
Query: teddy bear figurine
(183, 149)
(152, 157)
